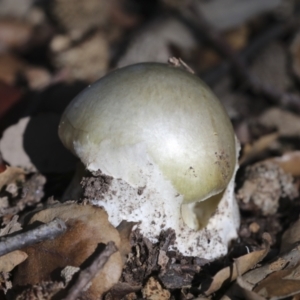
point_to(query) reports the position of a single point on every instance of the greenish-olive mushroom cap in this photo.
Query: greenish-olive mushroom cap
(153, 120)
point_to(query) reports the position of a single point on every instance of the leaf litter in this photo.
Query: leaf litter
(84, 41)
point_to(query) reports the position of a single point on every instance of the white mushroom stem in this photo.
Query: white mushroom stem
(157, 206)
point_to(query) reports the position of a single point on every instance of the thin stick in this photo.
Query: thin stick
(178, 62)
(89, 273)
(44, 232)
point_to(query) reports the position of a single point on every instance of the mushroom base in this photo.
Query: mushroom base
(157, 207)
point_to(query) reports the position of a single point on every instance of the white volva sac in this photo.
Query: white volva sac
(170, 147)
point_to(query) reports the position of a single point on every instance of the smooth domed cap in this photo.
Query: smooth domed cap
(153, 113)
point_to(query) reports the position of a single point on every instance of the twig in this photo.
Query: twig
(201, 28)
(89, 273)
(178, 62)
(44, 232)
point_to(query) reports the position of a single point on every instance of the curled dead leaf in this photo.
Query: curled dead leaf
(290, 259)
(11, 175)
(154, 291)
(11, 260)
(245, 263)
(237, 291)
(124, 230)
(252, 151)
(87, 229)
(11, 227)
(280, 284)
(289, 162)
(290, 237)
(286, 123)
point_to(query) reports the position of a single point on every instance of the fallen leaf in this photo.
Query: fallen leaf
(11, 175)
(162, 260)
(81, 17)
(289, 259)
(286, 123)
(239, 292)
(79, 60)
(280, 284)
(290, 237)
(289, 162)
(11, 227)
(154, 41)
(125, 229)
(251, 151)
(245, 263)
(88, 228)
(12, 259)
(153, 291)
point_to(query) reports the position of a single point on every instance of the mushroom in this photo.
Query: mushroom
(169, 147)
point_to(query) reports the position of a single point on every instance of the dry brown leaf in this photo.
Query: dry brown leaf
(79, 17)
(125, 229)
(290, 237)
(88, 227)
(239, 292)
(258, 147)
(245, 263)
(289, 162)
(286, 123)
(11, 260)
(280, 284)
(152, 43)
(290, 259)
(11, 227)
(242, 289)
(11, 175)
(79, 60)
(153, 291)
